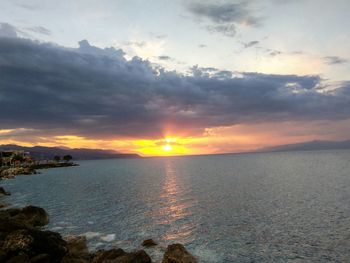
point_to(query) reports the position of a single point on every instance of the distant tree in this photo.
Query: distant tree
(57, 158)
(18, 157)
(67, 158)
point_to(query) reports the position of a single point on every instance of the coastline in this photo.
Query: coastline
(23, 239)
(12, 172)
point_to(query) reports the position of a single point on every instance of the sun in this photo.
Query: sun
(167, 147)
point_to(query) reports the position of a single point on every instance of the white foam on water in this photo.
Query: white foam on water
(97, 246)
(108, 238)
(56, 228)
(90, 222)
(91, 235)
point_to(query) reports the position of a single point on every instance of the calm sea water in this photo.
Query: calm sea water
(268, 207)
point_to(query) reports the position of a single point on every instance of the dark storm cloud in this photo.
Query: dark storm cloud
(7, 30)
(223, 18)
(223, 13)
(334, 60)
(96, 92)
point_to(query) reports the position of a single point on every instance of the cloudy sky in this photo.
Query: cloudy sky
(174, 77)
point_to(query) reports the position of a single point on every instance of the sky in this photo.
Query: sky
(174, 77)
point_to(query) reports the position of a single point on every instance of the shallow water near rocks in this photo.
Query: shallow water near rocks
(266, 207)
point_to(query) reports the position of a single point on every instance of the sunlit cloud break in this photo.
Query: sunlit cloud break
(98, 95)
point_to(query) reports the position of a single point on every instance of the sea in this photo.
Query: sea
(254, 207)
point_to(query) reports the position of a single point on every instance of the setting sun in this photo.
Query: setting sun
(167, 147)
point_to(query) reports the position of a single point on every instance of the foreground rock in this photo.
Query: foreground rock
(10, 173)
(149, 243)
(77, 250)
(3, 192)
(177, 253)
(30, 216)
(78, 253)
(3, 205)
(33, 243)
(23, 241)
(120, 256)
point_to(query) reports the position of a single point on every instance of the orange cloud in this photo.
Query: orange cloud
(236, 138)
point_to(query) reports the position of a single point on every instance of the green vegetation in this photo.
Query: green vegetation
(67, 158)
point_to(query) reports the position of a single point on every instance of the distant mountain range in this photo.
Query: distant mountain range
(47, 153)
(309, 146)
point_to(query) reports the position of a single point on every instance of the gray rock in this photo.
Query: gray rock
(149, 243)
(120, 256)
(3, 192)
(32, 215)
(177, 253)
(77, 249)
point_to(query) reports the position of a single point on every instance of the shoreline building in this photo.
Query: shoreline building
(14, 157)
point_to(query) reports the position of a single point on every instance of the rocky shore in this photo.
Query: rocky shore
(23, 240)
(12, 172)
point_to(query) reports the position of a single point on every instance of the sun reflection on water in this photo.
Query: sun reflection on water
(175, 208)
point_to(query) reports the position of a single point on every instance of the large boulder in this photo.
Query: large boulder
(22, 241)
(77, 245)
(105, 255)
(3, 192)
(41, 258)
(8, 225)
(69, 259)
(10, 173)
(18, 241)
(3, 205)
(77, 250)
(19, 259)
(3, 255)
(134, 257)
(120, 256)
(149, 243)
(7, 173)
(33, 242)
(177, 253)
(30, 215)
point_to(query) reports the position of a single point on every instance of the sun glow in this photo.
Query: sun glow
(167, 147)
(237, 138)
(162, 147)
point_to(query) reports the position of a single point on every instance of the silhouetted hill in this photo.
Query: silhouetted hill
(42, 153)
(309, 146)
